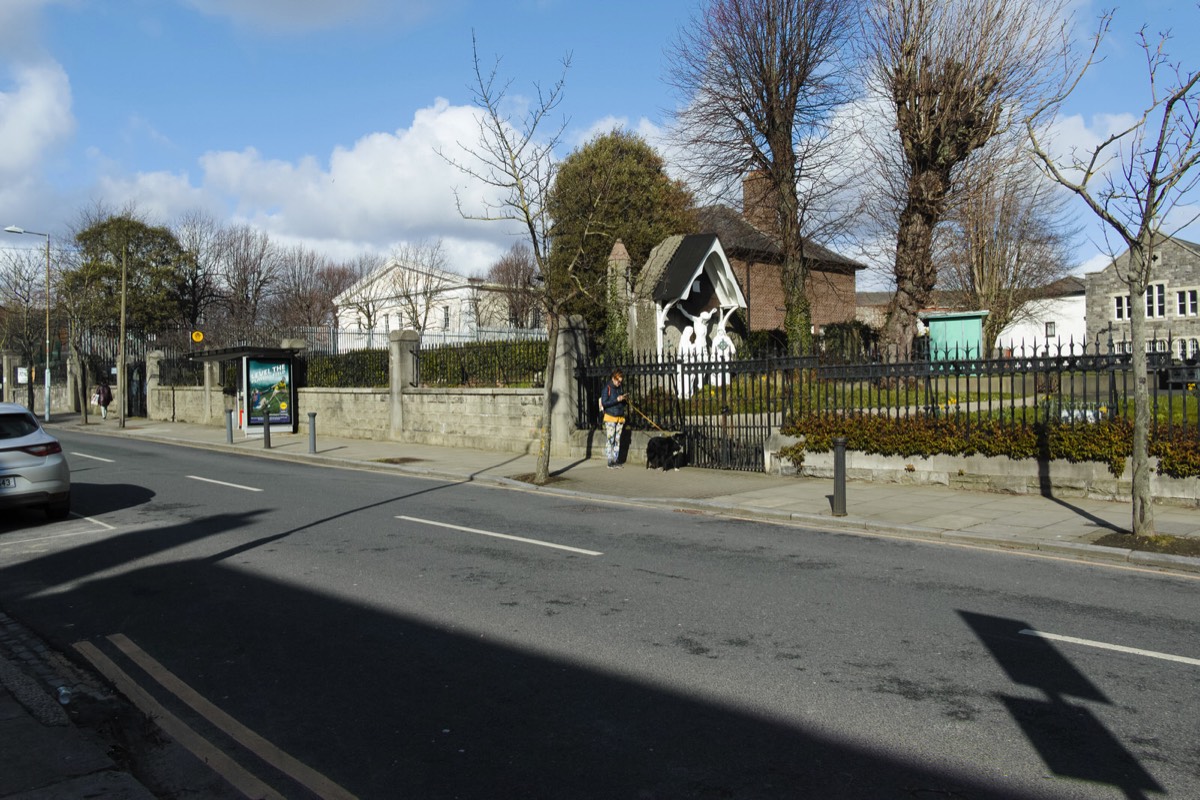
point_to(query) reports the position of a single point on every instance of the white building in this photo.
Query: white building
(441, 305)
(1054, 323)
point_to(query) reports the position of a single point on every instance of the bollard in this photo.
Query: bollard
(229, 426)
(312, 431)
(839, 476)
(266, 429)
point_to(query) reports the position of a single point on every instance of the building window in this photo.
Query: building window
(1156, 300)
(1187, 301)
(1122, 307)
(1193, 348)
(1182, 345)
(445, 318)
(1049, 330)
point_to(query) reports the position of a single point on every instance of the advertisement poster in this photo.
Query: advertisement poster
(269, 390)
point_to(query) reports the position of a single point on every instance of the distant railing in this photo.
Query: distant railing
(495, 363)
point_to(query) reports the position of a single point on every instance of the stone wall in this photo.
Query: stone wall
(182, 403)
(352, 413)
(506, 420)
(989, 474)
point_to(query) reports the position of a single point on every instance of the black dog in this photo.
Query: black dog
(664, 452)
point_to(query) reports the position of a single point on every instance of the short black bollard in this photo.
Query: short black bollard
(839, 476)
(229, 426)
(266, 429)
(312, 431)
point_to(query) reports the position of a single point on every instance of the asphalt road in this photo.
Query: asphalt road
(387, 636)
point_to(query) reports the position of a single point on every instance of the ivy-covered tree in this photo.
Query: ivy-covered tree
(151, 258)
(614, 187)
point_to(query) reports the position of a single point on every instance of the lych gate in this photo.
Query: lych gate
(682, 303)
(681, 328)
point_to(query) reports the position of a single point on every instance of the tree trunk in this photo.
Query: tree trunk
(915, 276)
(797, 318)
(1143, 508)
(542, 474)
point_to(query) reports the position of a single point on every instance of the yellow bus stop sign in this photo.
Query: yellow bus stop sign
(197, 336)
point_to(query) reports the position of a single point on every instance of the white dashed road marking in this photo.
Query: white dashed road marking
(223, 483)
(502, 536)
(1116, 647)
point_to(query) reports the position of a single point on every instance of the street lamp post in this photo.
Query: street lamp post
(122, 390)
(15, 229)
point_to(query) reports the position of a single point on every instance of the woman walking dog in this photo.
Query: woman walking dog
(612, 403)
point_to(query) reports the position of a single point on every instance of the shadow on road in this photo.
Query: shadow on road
(388, 704)
(1070, 739)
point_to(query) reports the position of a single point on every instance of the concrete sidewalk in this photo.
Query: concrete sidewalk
(45, 757)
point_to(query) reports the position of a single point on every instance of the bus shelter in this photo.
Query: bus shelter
(265, 388)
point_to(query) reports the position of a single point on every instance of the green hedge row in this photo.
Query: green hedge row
(358, 369)
(514, 364)
(1108, 442)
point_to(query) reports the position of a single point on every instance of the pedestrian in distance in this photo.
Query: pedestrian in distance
(103, 398)
(612, 403)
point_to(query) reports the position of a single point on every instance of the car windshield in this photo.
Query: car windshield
(14, 426)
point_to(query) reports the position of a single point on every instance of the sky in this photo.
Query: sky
(320, 122)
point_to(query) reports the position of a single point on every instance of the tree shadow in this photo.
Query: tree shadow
(1046, 488)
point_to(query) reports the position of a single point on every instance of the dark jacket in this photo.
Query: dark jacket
(608, 400)
(104, 394)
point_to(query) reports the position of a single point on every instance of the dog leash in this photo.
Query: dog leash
(643, 416)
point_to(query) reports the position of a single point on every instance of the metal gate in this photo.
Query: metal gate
(722, 411)
(100, 350)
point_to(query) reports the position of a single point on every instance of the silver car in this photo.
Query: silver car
(33, 470)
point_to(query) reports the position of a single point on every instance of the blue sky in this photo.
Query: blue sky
(317, 120)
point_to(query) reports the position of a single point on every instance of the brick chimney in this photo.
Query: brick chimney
(759, 204)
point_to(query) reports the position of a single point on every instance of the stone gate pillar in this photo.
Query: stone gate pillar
(403, 347)
(564, 392)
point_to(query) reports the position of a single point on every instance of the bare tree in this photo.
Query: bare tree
(957, 73)
(417, 279)
(249, 272)
(1007, 236)
(514, 276)
(22, 308)
(198, 282)
(516, 162)
(762, 80)
(1133, 180)
(302, 298)
(363, 297)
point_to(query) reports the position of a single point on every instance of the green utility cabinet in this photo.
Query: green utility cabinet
(955, 335)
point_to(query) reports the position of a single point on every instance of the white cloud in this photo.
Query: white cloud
(1093, 263)
(1075, 135)
(298, 16)
(385, 189)
(34, 117)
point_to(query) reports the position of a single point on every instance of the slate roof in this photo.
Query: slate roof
(676, 278)
(672, 266)
(739, 236)
(1064, 287)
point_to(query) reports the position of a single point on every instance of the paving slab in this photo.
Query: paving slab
(35, 756)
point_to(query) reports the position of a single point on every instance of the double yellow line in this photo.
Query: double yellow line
(237, 775)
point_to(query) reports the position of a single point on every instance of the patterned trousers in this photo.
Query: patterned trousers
(612, 440)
